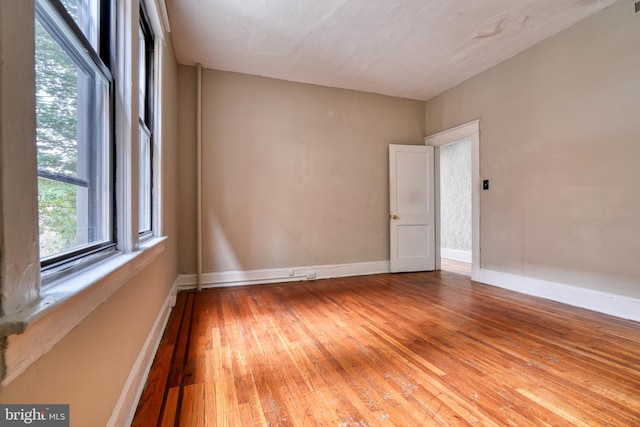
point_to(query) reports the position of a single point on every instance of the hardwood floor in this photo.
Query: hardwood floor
(455, 266)
(415, 349)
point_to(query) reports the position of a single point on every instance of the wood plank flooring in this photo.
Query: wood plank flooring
(416, 349)
(455, 266)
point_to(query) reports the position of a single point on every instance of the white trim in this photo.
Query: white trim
(454, 134)
(278, 275)
(125, 409)
(65, 304)
(602, 302)
(456, 254)
(157, 189)
(615, 305)
(163, 16)
(126, 130)
(157, 13)
(471, 131)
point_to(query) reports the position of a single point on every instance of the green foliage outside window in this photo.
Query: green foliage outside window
(56, 136)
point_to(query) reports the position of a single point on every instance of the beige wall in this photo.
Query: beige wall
(297, 174)
(187, 237)
(294, 174)
(560, 143)
(89, 367)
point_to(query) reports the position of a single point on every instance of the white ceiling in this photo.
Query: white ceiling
(408, 48)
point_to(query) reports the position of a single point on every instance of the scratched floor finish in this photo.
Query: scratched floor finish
(417, 349)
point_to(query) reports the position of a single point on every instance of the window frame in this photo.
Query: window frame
(35, 318)
(51, 15)
(146, 124)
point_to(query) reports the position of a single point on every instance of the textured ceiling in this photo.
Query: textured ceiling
(408, 48)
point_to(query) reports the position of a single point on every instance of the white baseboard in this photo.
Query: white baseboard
(125, 409)
(278, 275)
(455, 254)
(615, 305)
(602, 302)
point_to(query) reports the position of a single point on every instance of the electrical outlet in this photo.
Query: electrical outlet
(311, 275)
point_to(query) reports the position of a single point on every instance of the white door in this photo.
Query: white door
(412, 214)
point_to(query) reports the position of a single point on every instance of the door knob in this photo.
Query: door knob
(394, 216)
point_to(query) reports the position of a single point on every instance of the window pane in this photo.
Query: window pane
(144, 170)
(72, 135)
(145, 151)
(142, 75)
(85, 13)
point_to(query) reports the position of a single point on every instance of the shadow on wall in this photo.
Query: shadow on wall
(220, 246)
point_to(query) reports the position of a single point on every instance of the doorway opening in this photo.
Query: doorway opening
(449, 156)
(455, 207)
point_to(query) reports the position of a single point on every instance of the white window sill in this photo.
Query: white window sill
(64, 304)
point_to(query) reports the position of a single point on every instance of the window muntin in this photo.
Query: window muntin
(73, 118)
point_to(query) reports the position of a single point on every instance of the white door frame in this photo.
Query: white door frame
(467, 131)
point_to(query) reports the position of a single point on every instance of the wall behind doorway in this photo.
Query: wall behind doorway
(455, 201)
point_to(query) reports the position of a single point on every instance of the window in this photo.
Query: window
(145, 113)
(74, 89)
(80, 177)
